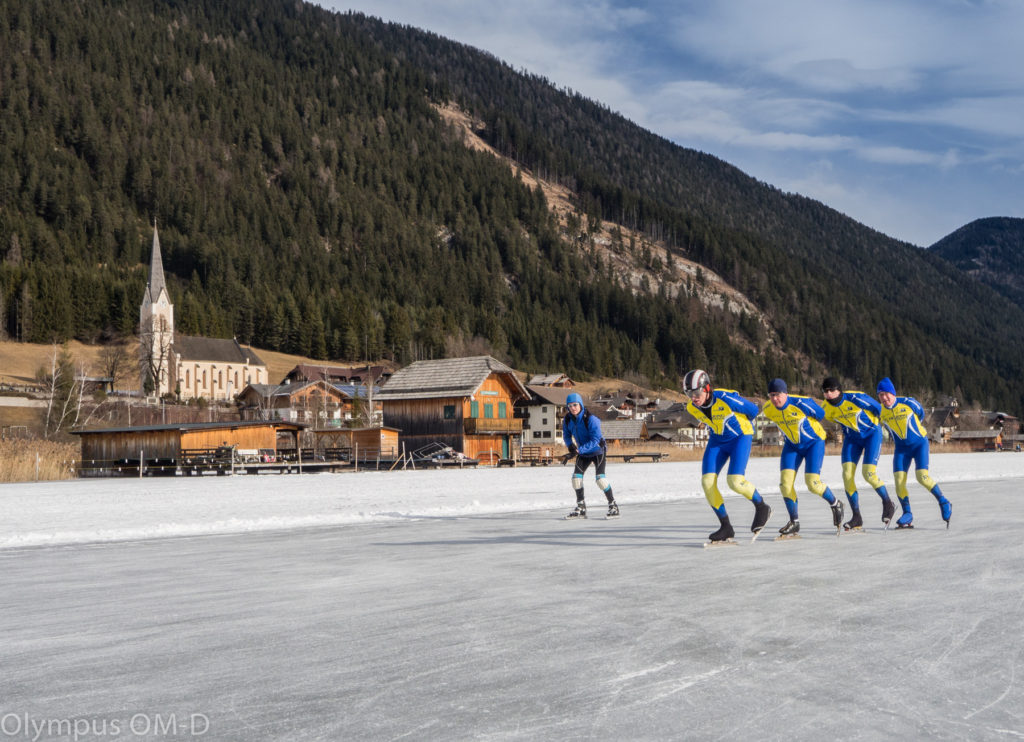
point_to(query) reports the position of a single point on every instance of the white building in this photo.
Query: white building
(188, 367)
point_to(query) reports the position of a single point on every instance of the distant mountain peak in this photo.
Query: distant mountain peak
(990, 250)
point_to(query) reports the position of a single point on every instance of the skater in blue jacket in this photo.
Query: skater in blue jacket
(581, 433)
(902, 416)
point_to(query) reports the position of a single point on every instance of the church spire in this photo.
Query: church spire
(156, 269)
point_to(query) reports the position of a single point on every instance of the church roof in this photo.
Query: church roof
(220, 350)
(156, 271)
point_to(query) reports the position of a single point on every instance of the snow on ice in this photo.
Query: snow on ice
(457, 605)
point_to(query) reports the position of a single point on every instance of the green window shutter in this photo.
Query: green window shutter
(474, 409)
(502, 410)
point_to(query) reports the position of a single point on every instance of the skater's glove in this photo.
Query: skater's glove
(567, 457)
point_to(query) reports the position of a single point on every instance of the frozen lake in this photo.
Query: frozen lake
(456, 605)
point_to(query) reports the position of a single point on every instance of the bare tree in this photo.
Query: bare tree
(115, 362)
(155, 361)
(63, 393)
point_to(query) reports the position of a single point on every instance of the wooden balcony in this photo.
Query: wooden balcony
(492, 426)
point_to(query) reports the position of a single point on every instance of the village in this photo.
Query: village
(461, 412)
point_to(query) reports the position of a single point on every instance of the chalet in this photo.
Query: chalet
(940, 422)
(189, 367)
(464, 403)
(317, 403)
(347, 375)
(542, 413)
(560, 381)
(979, 440)
(624, 432)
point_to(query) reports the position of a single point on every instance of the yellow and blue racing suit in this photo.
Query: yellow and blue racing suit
(903, 420)
(858, 414)
(805, 444)
(727, 415)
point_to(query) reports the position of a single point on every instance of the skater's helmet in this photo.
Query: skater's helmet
(695, 381)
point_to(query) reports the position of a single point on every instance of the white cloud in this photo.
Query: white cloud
(903, 92)
(904, 156)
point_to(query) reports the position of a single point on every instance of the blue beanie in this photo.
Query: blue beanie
(776, 386)
(574, 397)
(886, 385)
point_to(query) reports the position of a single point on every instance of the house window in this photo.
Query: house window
(449, 412)
(488, 410)
(544, 421)
(474, 409)
(502, 410)
(544, 409)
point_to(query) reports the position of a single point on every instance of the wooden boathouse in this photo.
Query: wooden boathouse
(184, 448)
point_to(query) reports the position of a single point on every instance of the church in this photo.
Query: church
(182, 365)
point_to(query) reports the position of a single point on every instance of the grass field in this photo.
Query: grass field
(20, 361)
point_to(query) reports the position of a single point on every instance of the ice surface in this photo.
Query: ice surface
(456, 605)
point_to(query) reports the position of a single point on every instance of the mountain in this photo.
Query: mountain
(991, 251)
(333, 186)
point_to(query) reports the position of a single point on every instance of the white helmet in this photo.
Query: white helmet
(695, 381)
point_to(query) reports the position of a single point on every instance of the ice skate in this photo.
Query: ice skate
(762, 512)
(856, 522)
(723, 536)
(906, 520)
(789, 531)
(947, 511)
(888, 508)
(837, 516)
(613, 510)
(580, 511)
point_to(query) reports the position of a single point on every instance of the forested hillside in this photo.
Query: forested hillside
(311, 200)
(990, 250)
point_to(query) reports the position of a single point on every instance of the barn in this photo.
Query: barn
(170, 449)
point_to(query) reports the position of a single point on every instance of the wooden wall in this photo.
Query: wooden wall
(256, 436)
(154, 444)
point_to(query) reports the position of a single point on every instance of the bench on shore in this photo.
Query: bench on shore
(627, 457)
(534, 455)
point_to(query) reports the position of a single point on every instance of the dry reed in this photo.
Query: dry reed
(37, 460)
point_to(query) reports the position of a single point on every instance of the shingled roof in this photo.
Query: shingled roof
(192, 348)
(448, 377)
(624, 430)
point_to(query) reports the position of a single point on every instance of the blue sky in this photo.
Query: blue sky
(907, 116)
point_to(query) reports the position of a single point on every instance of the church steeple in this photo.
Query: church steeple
(156, 270)
(156, 327)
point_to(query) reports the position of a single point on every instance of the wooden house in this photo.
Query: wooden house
(624, 432)
(316, 403)
(336, 374)
(357, 443)
(551, 380)
(542, 414)
(464, 403)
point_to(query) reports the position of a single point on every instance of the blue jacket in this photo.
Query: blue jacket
(586, 430)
